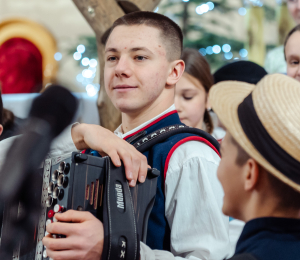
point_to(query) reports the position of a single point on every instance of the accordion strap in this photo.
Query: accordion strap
(164, 133)
(121, 239)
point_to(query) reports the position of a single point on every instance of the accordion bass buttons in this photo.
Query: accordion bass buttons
(49, 201)
(50, 187)
(62, 181)
(55, 175)
(64, 167)
(58, 193)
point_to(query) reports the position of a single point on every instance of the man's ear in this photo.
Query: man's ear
(1, 129)
(251, 174)
(176, 71)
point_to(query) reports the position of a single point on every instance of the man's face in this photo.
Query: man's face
(136, 68)
(230, 176)
(292, 53)
(294, 9)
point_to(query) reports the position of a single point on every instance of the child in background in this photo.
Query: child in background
(191, 93)
(292, 53)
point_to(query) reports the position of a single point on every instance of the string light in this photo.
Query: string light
(242, 11)
(226, 48)
(77, 56)
(216, 49)
(92, 89)
(243, 53)
(258, 3)
(228, 55)
(87, 73)
(204, 8)
(202, 51)
(58, 56)
(81, 48)
(85, 61)
(209, 50)
(93, 63)
(211, 5)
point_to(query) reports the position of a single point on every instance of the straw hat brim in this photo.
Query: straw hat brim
(225, 98)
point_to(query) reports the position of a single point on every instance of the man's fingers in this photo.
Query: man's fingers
(143, 169)
(62, 228)
(115, 158)
(64, 255)
(128, 165)
(74, 216)
(58, 244)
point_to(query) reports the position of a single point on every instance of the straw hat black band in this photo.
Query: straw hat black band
(264, 143)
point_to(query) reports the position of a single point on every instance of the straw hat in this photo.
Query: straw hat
(265, 120)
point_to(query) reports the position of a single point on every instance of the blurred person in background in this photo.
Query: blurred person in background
(191, 93)
(275, 60)
(292, 53)
(9, 124)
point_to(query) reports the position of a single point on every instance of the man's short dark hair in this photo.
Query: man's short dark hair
(288, 197)
(169, 30)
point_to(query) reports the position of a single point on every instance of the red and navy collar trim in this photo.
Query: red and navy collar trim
(151, 124)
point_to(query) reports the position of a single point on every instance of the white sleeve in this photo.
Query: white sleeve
(194, 198)
(63, 144)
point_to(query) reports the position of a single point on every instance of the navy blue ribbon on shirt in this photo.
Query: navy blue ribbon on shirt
(264, 143)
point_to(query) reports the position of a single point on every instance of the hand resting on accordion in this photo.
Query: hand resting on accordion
(107, 143)
(84, 237)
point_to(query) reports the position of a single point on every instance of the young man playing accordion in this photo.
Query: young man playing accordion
(142, 67)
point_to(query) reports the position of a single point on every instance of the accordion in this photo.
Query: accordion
(89, 183)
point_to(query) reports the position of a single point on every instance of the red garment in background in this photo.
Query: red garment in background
(20, 67)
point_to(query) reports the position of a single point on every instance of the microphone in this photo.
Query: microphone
(20, 183)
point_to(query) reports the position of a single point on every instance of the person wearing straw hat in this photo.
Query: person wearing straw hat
(249, 72)
(260, 165)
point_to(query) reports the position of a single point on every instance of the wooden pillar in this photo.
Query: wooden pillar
(285, 22)
(100, 14)
(255, 31)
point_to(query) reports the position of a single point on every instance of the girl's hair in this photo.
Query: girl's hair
(295, 29)
(6, 116)
(197, 66)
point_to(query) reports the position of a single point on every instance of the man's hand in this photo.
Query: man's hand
(84, 237)
(105, 142)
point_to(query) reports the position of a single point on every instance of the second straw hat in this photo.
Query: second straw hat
(264, 119)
